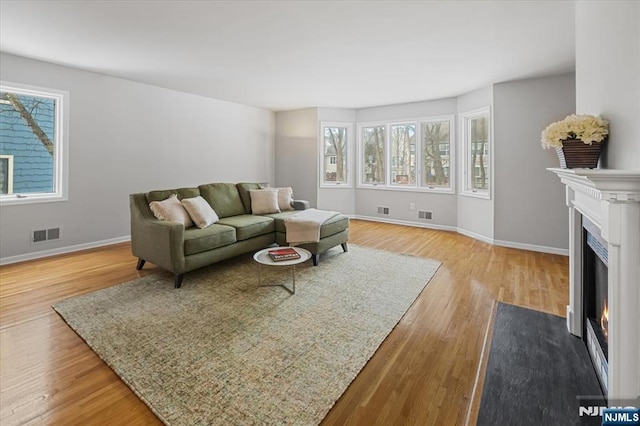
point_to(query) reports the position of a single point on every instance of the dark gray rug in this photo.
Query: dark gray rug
(536, 372)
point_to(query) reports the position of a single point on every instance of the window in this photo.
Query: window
(32, 144)
(436, 156)
(334, 161)
(373, 143)
(477, 146)
(403, 154)
(412, 155)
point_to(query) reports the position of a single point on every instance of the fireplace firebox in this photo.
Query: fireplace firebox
(596, 307)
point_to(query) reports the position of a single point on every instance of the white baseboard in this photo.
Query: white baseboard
(471, 234)
(62, 250)
(407, 223)
(475, 236)
(532, 247)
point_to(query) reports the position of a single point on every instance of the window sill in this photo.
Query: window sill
(14, 200)
(336, 186)
(408, 189)
(477, 194)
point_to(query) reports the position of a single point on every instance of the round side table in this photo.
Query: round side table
(263, 258)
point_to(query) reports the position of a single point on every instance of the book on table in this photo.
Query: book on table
(278, 255)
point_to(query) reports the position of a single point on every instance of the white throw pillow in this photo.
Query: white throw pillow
(200, 211)
(264, 201)
(285, 198)
(171, 210)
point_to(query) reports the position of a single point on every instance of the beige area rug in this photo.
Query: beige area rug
(223, 351)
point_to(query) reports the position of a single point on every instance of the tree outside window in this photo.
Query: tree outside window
(335, 154)
(403, 148)
(435, 154)
(415, 154)
(27, 135)
(373, 154)
(480, 153)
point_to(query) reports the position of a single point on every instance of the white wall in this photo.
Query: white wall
(475, 215)
(296, 163)
(608, 75)
(128, 137)
(529, 202)
(443, 207)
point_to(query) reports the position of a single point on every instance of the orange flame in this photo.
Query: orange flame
(604, 319)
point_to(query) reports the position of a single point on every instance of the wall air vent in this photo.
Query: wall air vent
(383, 210)
(423, 214)
(44, 235)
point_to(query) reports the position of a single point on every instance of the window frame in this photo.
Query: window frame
(60, 145)
(466, 168)
(348, 151)
(417, 187)
(9, 159)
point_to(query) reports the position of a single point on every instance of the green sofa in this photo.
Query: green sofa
(178, 250)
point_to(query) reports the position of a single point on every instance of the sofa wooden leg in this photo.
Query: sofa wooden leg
(344, 247)
(140, 264)
(315, 258)
(178, 280)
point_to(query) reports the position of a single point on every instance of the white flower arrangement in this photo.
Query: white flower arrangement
(587, 128)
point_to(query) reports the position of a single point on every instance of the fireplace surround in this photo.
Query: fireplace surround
(610, 201)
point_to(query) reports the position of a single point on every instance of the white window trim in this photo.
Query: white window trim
(60, 146)
(9, 173)
(388, 185)
(465, 158)
(350, 151)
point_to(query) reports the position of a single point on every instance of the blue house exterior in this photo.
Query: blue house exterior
(32, 163)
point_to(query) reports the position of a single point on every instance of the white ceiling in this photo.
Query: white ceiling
(284, 55)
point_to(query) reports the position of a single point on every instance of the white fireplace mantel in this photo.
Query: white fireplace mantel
(611, 200)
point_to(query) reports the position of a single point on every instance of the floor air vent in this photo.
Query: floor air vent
(44, 235)
(423, 214)
(383, 210)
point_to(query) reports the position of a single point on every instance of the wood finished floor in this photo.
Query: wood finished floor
(423, 374)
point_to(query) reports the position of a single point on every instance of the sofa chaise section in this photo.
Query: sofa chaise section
(333, 232)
